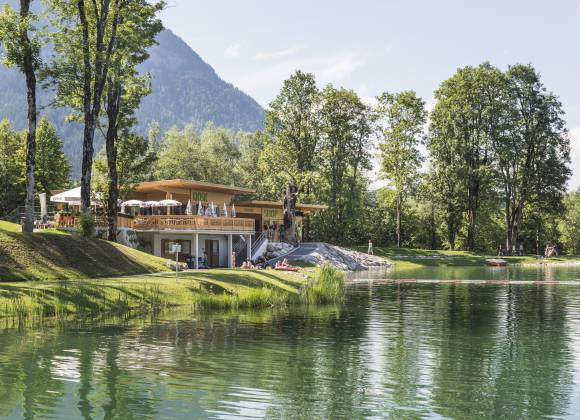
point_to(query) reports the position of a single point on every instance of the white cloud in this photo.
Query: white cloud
(232, 51)
(328, 68)
(574, 182)
(276, 55)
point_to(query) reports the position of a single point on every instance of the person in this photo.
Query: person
(370, 250)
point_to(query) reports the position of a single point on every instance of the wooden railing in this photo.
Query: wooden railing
(193, 223)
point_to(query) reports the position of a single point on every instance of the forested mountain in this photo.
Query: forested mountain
(185, 89)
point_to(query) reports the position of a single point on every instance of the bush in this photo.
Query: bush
(327, 287)
(87, 225)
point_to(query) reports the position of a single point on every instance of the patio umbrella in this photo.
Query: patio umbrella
(234, 212)
(168, 203)
(199, 209)
(188, 209)
(225, 210)
(213, 210)
(150, 203)
(133, 203)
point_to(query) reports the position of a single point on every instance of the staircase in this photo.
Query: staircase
(240, 248)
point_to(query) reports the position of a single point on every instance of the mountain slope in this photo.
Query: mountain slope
(185, 89)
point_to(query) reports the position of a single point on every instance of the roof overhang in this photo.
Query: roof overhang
(185, 184)
(278, 204)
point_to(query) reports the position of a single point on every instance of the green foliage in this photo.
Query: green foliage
(12, 168)
(214, 154)
(87, 225)
(402, 117)
(19, 39)
(52, 168)
(570, 224)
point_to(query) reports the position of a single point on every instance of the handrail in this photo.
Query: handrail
(161, 222)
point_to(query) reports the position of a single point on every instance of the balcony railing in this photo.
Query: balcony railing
(159, 222)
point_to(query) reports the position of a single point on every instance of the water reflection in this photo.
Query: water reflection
(393, 350)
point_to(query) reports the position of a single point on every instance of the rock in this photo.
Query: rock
(277, 249)
(341, 258)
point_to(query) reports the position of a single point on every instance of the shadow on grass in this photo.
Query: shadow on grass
(49, 255)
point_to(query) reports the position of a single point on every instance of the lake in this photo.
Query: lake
(392, 350)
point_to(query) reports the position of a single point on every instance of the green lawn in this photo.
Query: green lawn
(416, 257)
(204, 289)
(54, 255)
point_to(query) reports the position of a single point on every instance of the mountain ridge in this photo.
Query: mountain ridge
(185, 89)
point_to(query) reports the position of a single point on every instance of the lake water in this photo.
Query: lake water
(393, 350)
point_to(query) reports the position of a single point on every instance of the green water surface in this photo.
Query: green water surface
(390, 351)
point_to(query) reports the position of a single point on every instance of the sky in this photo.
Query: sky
(373, 46)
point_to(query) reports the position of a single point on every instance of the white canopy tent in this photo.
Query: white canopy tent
(71, 197)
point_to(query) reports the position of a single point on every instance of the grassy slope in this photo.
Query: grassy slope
(219, 288)
(452, 258)
(52, 254)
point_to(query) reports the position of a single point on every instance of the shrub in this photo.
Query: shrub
(87, 225)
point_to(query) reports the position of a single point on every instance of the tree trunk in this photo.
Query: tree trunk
(28, 68)
(93, 89)
(398, 217)
(451, 232)
(113, 107)
(432, 227)
(472, 206)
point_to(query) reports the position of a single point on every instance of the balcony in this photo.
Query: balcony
(174, 222)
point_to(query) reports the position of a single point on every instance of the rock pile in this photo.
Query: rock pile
(321, 253)
(277, 249)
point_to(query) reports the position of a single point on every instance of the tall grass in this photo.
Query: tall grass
(327, 287)
(264, 297)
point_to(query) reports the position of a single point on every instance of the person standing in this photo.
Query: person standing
(370, 250)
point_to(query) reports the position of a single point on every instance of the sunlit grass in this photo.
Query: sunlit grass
(409, 258)
(202, 290)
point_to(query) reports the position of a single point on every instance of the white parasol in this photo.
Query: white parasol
(234, 212)
(199, 209)
(225, 210)
(189, 209)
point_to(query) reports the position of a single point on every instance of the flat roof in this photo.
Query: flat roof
(150, 186)
(277, 204)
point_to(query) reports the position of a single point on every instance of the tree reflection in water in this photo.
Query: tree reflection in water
(392, 350)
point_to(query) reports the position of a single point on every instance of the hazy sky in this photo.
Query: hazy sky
(373, 46)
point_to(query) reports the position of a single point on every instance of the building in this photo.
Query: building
(211, 222)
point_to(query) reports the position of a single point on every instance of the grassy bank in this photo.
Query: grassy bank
(54, 254)
(203, 289)
(411, 258)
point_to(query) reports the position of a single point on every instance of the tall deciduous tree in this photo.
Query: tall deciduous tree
(466, 117)
(84, 42)
(402, 117)
(291, 127)
(345, 145)
(533, 153)
(125, 88)
(22, 49)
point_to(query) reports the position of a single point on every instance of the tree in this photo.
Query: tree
(216, 150)
(401, 120)
(533, 152)
(11, 168)
(345, 143)
(569, 226)
(52, 166)
(84, 42)
(291, 129)
(465, 120)
(22, 49)
(125, 88)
